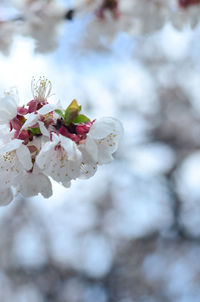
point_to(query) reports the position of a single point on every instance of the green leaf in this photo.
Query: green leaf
(59, 112)
(80, 119)
(35, 131)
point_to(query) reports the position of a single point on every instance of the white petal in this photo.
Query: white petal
(88, 164)
(91, 148)
(100, 129)
(5, 116)
(55, 138)
(44, 155)
(10, 169)
(12, 145)
(56, 162)
(88, 168)
(32, 119)
(8, 106)
(58, 105)
(70, 147)
(104, 126)
(34, 183)
(24, 157)
(104, 156)
(46, 109)
(43, 129)
(6, 197)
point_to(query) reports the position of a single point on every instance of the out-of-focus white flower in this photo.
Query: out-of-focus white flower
(7, 32)
(42, 22)
(8, 105)
(183, 16)
(135, 18)
(60, 159)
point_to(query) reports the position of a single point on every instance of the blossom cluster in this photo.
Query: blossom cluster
(139, 17)
(40, 141)
(42, 19)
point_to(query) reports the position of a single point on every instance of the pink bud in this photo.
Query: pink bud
(63, 131)
(22, 111)
(15, 123)
(32, 106)
(23, 135)
(82, 129)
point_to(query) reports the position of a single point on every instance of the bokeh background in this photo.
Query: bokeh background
(131, 233)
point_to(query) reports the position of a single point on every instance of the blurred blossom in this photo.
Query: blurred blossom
(131, 232)
(95, 255)
(148, 159)
(29, 292)
(33, 254)
(188, 188)
(141, 205)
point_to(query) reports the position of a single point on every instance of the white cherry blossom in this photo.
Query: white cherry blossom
(31, 184)
(41, 88)
(40, 140)
(15, 158)
(8, 105)
(42, 20)
(60, 159)
(34, 117)
(101, 142)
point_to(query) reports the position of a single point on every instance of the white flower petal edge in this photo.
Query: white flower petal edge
(11, 146)
(88, 167)
(6, 196)
(47, 108)
(31, 184)
(60, 159)
(24, 157)
(33, 118)
(101, 142)
(8, 105)
(14, 159)
(103, 139)
(43, 129)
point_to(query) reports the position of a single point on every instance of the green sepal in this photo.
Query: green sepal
(35, 131)
(70, 115)
(80, 119)
(59, 112)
